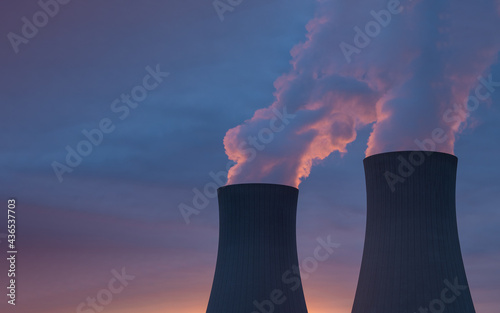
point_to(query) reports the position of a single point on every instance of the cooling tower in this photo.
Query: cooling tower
(411, 259)
(257, 264)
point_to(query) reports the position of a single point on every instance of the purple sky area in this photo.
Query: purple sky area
(83, 221)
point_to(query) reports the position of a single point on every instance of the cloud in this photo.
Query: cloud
(399, 65)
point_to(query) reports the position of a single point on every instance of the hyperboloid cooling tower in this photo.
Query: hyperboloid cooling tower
(257, 264)
(411, 258)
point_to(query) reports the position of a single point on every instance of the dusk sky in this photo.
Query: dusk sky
(117, 115)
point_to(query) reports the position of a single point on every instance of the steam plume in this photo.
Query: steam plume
(404, 77)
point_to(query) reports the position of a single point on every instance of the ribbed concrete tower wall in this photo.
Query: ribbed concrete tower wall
(257, 251)
(411, 260)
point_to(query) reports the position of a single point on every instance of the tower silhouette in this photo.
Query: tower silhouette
(257, 264)
(411, 259)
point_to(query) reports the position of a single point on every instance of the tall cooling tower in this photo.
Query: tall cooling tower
(257, 264)
(411, 260)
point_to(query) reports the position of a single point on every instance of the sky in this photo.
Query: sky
(98, 176)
